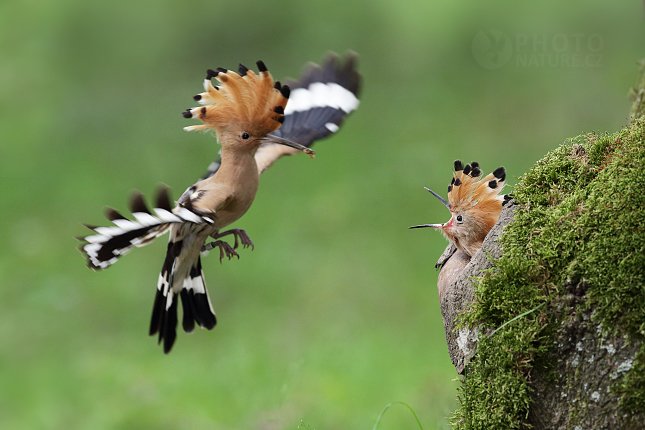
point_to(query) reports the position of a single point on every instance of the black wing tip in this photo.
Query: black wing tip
(458, 165)
(163, 197)
(112, 214)
(345, 67)
(334, 68)
(138, 203)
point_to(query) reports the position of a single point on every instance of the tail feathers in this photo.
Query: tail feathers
(165, 295)
(104, 248)
(194, 298)
(168, 326)
(195, 301)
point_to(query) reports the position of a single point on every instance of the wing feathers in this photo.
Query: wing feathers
(107, 244)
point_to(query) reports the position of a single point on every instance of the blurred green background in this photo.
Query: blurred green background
(335, 313)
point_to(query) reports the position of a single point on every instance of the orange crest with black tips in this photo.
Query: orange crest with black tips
(253, 102)
(474, 203)
(468, 191)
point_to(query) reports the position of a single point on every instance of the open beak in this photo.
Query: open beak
(442, 200)
(427, 225)
(280, 141)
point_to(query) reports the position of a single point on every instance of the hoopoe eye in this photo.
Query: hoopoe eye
(245, 135)
(460, 219)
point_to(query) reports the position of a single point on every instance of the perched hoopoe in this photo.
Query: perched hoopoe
(474, 203)
(246, 113)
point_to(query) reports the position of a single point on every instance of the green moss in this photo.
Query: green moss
(581, 216)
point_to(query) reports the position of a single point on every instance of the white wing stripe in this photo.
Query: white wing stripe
(188, 215)
(146, 219)
(332, 127)
(321, 95)
(166, 216)
(126, 224)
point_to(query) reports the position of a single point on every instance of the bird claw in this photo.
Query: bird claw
(244, 239)
(240, 237)
(225, 250)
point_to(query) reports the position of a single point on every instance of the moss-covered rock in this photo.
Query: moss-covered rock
(577, 243)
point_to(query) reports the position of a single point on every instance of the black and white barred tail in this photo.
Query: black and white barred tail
(319, 102)
(195, 302)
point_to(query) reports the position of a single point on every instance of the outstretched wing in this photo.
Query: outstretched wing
(107, 244)
(319, 102)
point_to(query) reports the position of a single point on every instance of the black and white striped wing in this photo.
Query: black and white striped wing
(321, 99)
(104, 248)
(319, 102)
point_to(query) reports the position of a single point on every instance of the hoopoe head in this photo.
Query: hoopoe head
(474, 204)
(244, 109)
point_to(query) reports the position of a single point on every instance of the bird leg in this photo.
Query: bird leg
(239, 234)
(224, 249)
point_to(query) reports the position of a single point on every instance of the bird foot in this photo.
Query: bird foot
(225, 250)
(240, 237)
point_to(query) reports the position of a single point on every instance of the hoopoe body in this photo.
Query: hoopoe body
(474, 204)
(245, 112)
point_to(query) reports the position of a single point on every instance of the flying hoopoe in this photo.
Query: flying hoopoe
(246, 112)
(474, 204)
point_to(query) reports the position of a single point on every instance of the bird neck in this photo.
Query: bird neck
(238, 165)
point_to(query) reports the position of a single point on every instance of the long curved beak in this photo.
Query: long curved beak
(441, 199)
(427, 225)
(269, 138)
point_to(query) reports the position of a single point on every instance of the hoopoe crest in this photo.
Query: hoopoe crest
(474, 204)
(244, 101)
